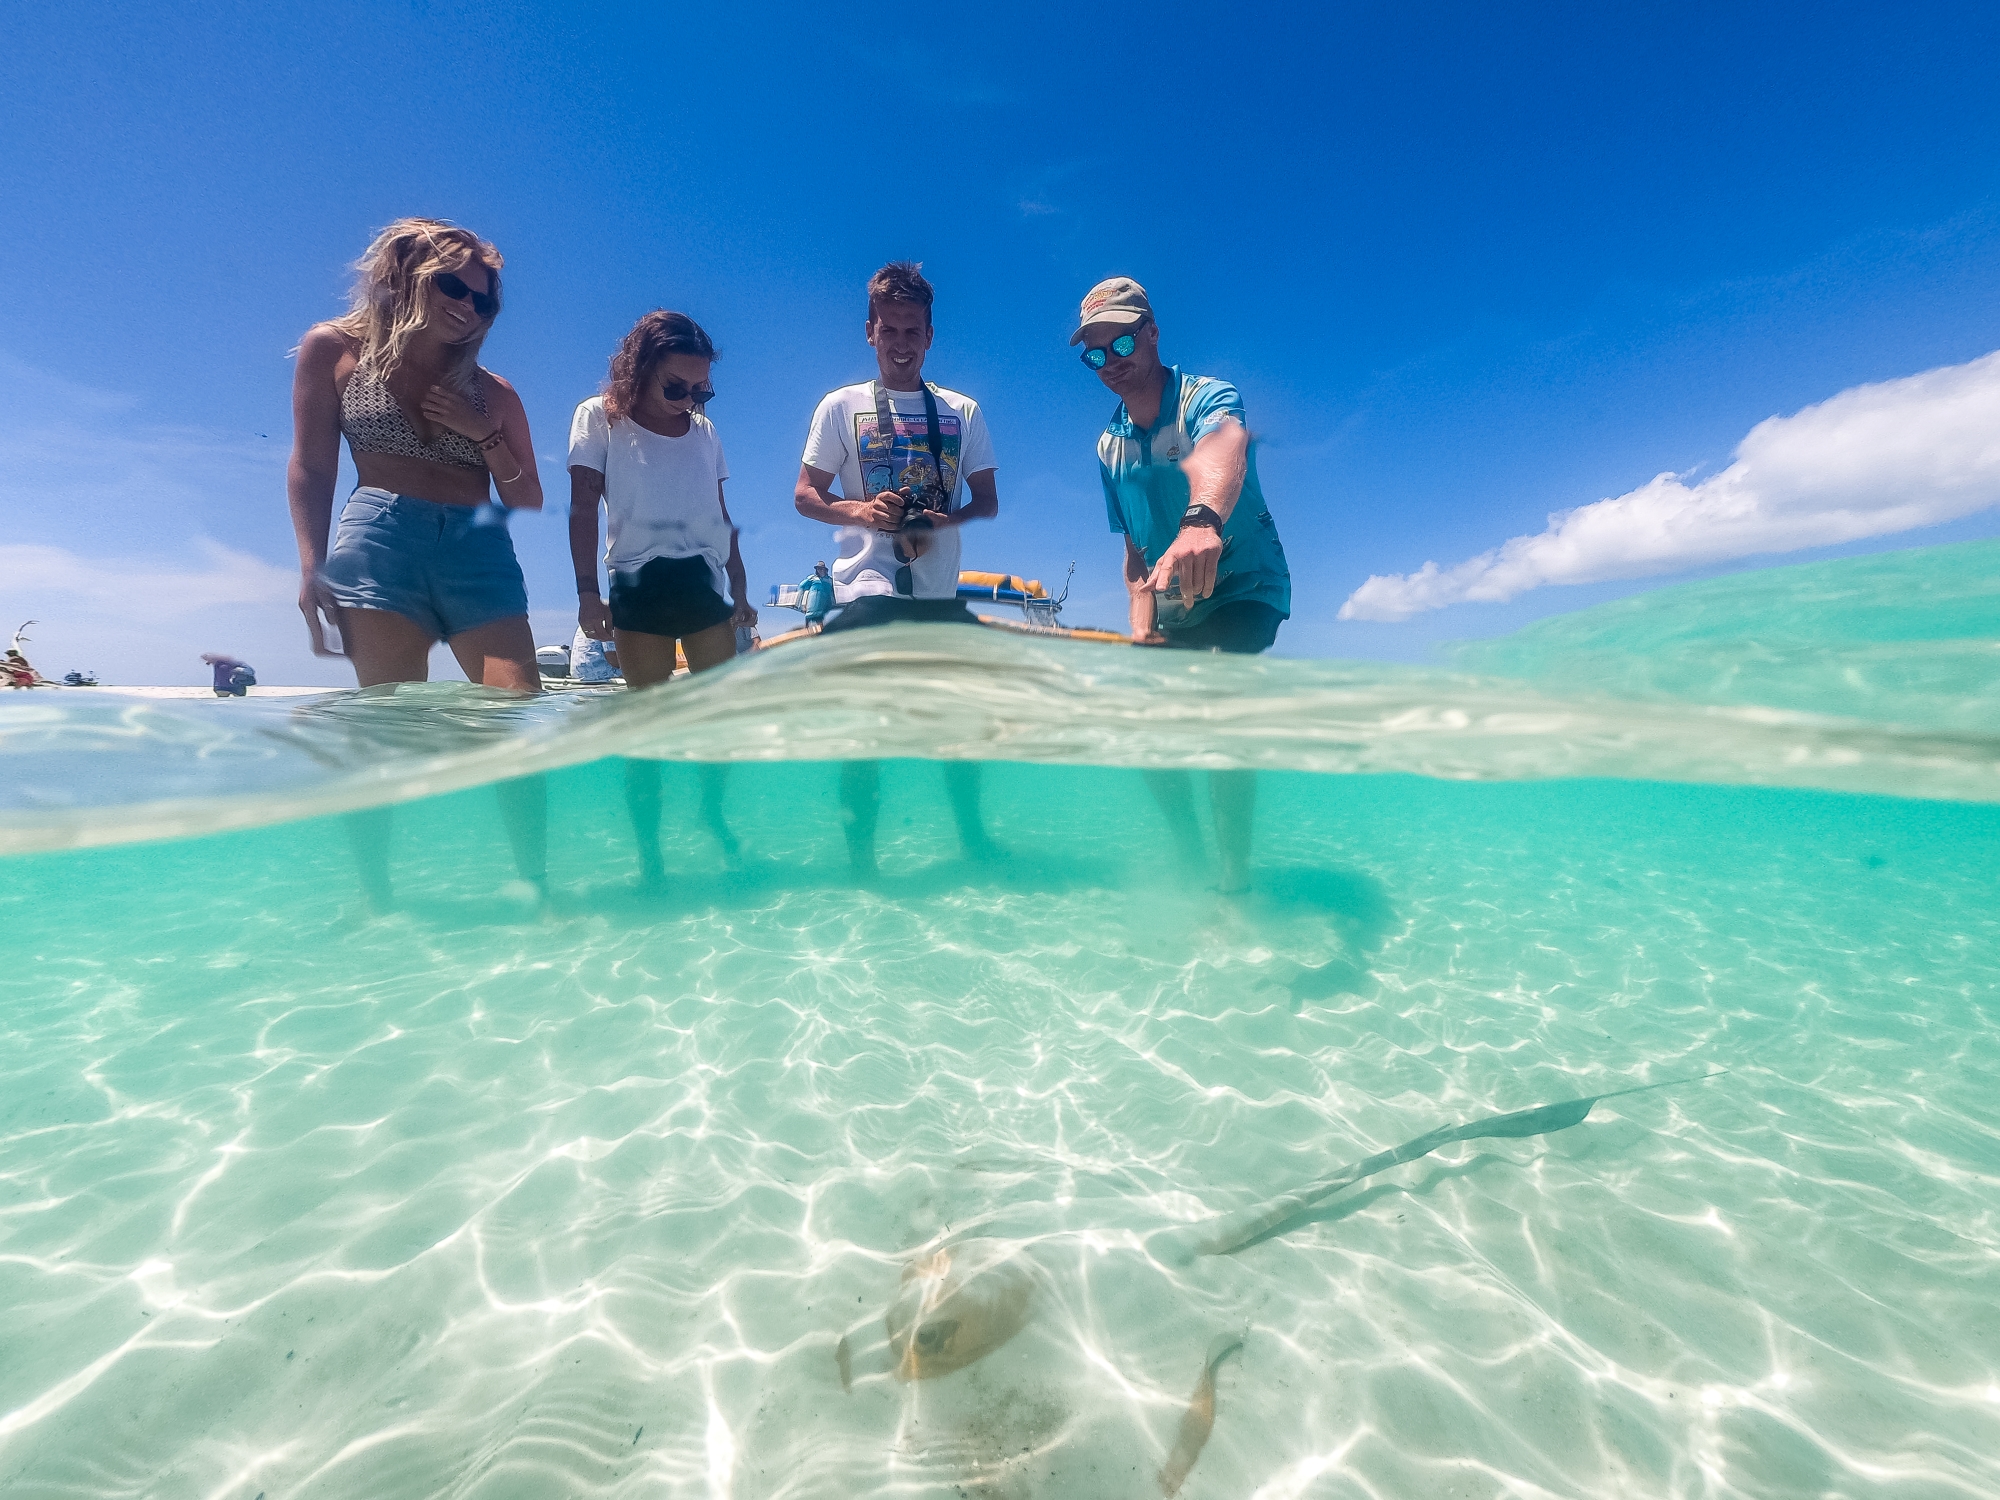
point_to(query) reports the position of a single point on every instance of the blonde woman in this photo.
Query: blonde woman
(420, 557)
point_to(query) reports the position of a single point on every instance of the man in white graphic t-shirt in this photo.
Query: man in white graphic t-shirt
(906, 454)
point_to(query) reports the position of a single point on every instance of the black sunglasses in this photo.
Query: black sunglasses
(1122, 346)
(482, 303)
(680, 390)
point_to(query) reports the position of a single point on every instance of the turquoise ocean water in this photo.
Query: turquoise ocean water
(484, 1196)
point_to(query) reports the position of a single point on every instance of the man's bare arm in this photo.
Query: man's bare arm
(1145, 611)
(814, 497)
(1215, 468)
(984, 504)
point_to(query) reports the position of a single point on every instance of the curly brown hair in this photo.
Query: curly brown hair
(900, 281)
(652, 339)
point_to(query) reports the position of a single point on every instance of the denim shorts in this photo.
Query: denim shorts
(447, 568)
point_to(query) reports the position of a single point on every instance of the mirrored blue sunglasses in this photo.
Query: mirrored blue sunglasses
(1122, 346)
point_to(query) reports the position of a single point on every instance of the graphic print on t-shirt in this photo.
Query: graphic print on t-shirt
(902, 459)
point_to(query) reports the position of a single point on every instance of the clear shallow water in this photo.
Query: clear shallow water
(478, 1197)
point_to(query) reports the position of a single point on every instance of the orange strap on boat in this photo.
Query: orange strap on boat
(1029, 586)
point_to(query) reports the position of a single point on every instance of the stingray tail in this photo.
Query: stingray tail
(1233, 1231)
(1199, 1418)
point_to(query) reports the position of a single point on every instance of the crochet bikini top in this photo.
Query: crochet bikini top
(374, 423)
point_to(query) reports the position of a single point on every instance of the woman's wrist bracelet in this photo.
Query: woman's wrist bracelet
(493, 440)
(586, 588)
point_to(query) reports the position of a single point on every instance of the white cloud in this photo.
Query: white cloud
(149, 587)
(1870, 461)
(109, 520)
(148, 619)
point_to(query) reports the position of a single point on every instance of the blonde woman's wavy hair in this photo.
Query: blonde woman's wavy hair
(386, 305)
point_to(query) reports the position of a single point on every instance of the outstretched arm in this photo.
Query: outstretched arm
(1214, 467)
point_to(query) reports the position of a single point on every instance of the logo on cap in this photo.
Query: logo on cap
(1117, 299)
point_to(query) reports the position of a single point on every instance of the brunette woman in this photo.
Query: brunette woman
(647, 454)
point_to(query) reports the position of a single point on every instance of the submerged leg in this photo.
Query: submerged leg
(642, 798)
(524, 808)
(1174, 791)
(962, 780)
(368, 837)
(860, 806)
(1233, 794)
(714, 778)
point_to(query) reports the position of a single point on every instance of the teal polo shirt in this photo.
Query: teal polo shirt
(1145, 495)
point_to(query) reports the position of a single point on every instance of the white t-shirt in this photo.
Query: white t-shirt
(662, 495)
(843, 437)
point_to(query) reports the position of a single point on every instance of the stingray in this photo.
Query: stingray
(1000, 1357)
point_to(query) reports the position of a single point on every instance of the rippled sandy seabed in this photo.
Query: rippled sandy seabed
(477, 1197)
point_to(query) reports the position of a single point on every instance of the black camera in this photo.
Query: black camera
(925, 501)
(927, 498)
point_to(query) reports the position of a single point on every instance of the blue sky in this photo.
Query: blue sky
(1470, 265)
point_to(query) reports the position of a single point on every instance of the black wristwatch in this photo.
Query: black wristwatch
(1201, 515)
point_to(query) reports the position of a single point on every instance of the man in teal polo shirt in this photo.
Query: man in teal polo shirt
(1203, 563)
(1202, 558)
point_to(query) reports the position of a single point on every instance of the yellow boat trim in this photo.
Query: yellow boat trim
(1030, 586)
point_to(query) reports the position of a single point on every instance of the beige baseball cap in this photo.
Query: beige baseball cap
(1117, 300)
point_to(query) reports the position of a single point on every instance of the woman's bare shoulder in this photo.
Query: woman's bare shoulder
(502, 385)
(327, 342)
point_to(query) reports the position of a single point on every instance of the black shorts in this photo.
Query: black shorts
(1243, 627)
(670, 596)
(887, 609)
